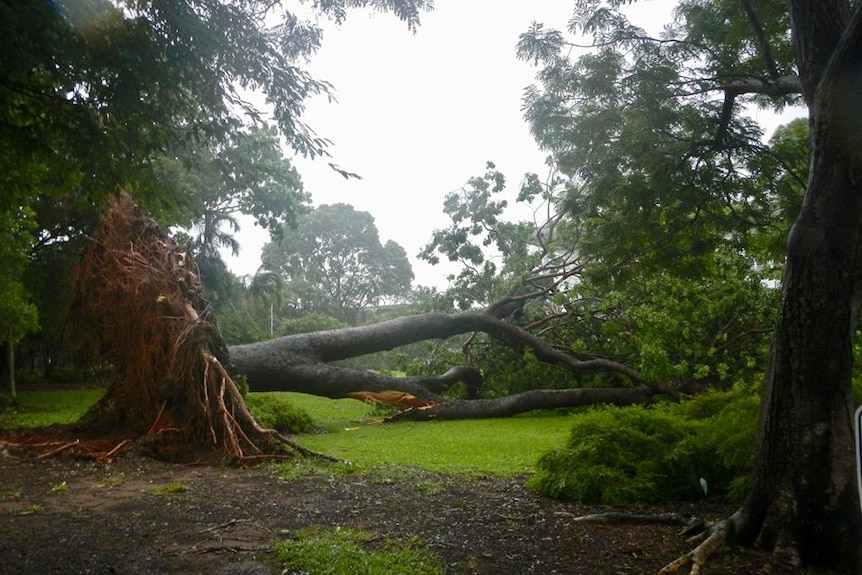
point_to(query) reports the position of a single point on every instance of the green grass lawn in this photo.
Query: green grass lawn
(42, 408)
(348, 430)
(507, 446)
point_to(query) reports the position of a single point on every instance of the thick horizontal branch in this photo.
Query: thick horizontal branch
(780, 86)
(528, 401)
(334, 345)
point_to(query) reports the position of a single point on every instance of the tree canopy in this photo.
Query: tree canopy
(334, 262)
(155, 98)
(666, 167)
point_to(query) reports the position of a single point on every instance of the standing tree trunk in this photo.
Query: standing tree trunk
(804, 488)
(803, 499)
(10, 346)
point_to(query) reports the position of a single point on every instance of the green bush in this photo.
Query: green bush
(275, 412)
(624, 455)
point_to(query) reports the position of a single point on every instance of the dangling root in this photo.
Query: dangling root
(714, 539)
(141, 298)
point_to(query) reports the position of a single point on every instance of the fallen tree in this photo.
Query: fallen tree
(300, 363)
(140, 303)
(528, 401)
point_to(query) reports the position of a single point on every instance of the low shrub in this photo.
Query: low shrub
(625, 455)
(274, 411)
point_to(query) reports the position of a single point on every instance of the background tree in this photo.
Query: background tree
(335, 264)
(654, 130)
(152, 97)
(18, 314)
(268, 287)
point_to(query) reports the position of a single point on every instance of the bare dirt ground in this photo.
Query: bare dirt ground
(72, 516)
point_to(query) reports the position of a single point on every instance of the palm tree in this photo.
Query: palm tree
(268, 286)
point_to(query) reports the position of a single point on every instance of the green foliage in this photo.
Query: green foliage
(18, 314)
(237, 327)
(150, 97)
(479, 237)
(241, 382)
(343, 551)
(275, 411)
(711, 329)
(655, 454)
(309, 323)
(335, 263)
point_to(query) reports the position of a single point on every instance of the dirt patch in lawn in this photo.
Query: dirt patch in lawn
(139, 516)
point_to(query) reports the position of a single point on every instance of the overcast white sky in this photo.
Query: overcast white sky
(419, 114)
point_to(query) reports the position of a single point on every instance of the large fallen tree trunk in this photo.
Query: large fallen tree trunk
(299, 362)
(142, 296)
(528, 401)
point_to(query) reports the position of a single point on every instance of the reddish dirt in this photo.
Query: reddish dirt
(64, 515)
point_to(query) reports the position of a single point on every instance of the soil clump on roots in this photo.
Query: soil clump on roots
(139, 304)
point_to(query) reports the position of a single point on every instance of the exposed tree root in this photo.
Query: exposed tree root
(713, 537)
(57, 441)
(712, 541)
(140, 298)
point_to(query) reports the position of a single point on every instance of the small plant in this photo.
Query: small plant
(31, 509)
(113, 480)
(342, 551)
(170, 489)
(61, 487)
(274, 411)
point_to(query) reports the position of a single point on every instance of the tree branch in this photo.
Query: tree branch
(765, 50)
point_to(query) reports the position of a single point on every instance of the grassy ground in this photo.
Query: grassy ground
(351, 430)
(43, 408)
(489, 446)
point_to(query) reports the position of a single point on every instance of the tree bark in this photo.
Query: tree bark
(528, 401)
(299, 362)
(803, 499)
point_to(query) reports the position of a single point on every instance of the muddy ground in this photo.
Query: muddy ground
(73, 516)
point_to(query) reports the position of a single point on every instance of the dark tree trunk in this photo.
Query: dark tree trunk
(299, 362)
(803, 499)
(528, 401)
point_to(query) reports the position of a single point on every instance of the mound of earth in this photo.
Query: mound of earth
(139, 516)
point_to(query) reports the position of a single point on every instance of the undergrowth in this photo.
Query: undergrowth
(700, 448)
(275, 411)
